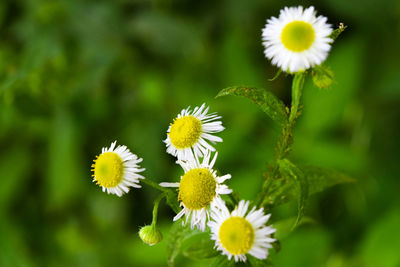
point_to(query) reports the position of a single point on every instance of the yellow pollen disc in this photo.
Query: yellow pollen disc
(108, 169)
(298, 36)
(197, 188)
(236, 235)
(185, 132)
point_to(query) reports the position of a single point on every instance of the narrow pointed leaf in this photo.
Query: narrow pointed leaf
(254, 262)
(222, 261)
(318, 179)
(322, 76)
(172, 200)
(266, 100)
(288, 169)
(191, 243)
(321, 178)
(174, 241)
(198, 245)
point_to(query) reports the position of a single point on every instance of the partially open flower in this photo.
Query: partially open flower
(297, 40)
(116, 169)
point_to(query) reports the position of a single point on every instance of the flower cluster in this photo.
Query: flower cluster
(200, 187)
(296, 41)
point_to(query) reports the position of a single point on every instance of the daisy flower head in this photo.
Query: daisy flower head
(297, 39)
(189, 132)
(239, 232)
(198, 188)
(116, 169)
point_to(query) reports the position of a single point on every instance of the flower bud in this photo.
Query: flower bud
(150, 235)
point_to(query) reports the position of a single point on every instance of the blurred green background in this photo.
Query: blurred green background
(76, 75)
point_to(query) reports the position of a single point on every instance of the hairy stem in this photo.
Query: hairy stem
(297, 90)
(286, 139)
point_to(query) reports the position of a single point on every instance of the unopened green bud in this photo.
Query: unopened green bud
(150, 235)
(322, 77)
(335, 34)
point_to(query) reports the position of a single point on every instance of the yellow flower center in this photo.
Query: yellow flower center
(185, 131)
(197, 188)
(108, 169)
(236, 235)
(298, 36)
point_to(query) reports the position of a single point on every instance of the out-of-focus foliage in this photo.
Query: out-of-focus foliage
(76, 75)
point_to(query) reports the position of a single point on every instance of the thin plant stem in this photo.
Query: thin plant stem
(233, 199)
(297, 90)
(286, 138)
(154, 185)
(155, 209)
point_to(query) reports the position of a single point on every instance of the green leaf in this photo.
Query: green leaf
(259, 263)
(284, 227)
(288, 169)
(322, 178)
(322, 76)
(172, 200)
(198, 245)
(174, 241)
(266, 100)
(281, 190)
(222, 261)
(191, 243)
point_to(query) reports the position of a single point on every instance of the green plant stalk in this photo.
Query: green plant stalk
(233, 198)
(297, 91)
(154, 185)
(286, 139)
(155, 208)
(167, 192)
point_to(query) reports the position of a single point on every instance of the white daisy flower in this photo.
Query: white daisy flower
(116, 169)
(188, 133)
(237, 234)
(198, 188)
(297, 40)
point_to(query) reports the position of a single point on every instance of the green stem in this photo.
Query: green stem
(233, 199)
(286, 138)
(154, 184)
(297, 90)
(170, 193)
(155, 209)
